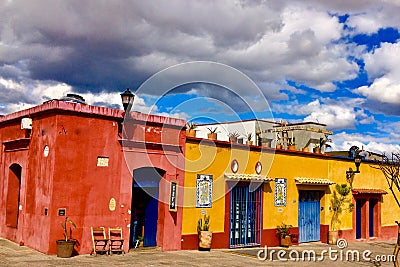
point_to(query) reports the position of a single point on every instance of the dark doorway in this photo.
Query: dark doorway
(144, 206)
(13, 195)
(360, 218)
(372, 210)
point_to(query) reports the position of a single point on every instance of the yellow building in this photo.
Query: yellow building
(249, 190)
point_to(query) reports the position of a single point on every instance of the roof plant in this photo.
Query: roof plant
(212, 130)
(233, 134)
(249, 136)
(191, 125)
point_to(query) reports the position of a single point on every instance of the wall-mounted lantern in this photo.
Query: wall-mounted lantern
(350, 173)
(127, 99)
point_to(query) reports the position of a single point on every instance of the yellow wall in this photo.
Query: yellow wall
(290, 166)
(370, 177)
(207, 158)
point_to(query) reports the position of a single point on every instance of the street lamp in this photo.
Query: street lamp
(357, 161)
(350, 173)
(127, 99)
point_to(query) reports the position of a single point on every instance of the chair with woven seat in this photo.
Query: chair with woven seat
(99, 240)
(116, 241)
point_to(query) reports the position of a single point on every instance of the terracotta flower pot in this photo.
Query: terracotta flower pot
(333, 236)
(278, 146)
(291, 147)
(212, 136)
(205, 239)
(306, 149)
(285, 241)
(266, 144)
(191, 133)
(249, 143)
(317, 150)
(233, 139)
(65, 248)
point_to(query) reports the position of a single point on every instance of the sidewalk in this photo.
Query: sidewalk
(12, 254)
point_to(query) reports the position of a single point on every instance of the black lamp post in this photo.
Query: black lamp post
(127, 99)
(357, 162)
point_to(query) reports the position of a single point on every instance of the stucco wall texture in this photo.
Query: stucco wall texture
(69, 177)
(206, 157)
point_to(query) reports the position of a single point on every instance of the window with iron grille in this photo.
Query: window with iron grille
(245, 217)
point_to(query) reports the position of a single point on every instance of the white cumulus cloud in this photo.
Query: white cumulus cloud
(383, 69)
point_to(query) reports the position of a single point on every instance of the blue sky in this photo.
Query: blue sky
(334, 62)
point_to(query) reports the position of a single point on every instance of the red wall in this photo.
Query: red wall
(69, 178)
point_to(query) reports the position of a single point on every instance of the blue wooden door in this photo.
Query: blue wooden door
(372, 205)
(309, 216)
(245, 217)
(150, 223)
(359, 206)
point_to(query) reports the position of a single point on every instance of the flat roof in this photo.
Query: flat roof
(63, 106)
(230, 122)
(274, 122)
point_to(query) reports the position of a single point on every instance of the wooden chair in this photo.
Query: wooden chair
(116, 241)
(99, 240)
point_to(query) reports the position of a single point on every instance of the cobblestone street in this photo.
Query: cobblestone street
(13, 255)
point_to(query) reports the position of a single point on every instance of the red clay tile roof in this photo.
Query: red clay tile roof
(313, 181)
(368, 191)
(247, 177)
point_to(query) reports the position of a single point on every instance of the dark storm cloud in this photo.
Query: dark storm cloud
(85, 44)
(95, 45)
(108, 45)
(387, 108)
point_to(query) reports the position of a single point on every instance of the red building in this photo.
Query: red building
(89, 164)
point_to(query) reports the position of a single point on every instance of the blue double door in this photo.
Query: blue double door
(245, 217)
(309, 216)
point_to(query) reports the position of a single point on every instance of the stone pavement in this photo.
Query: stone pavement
(12, 254)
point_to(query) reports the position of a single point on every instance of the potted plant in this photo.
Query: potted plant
(65, 246)
(249, 137)
(305, 149)
(204, 233)
(233, 136)
(191, 132)
(339, 201)
(317, 149)
(278, 142)
(291, 144)
(266, 143)
(323, 143)
(283, 231)
(140, 239)
(212, 135)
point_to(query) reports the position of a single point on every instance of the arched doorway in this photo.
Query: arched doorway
(13, 195)
(144, 206)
